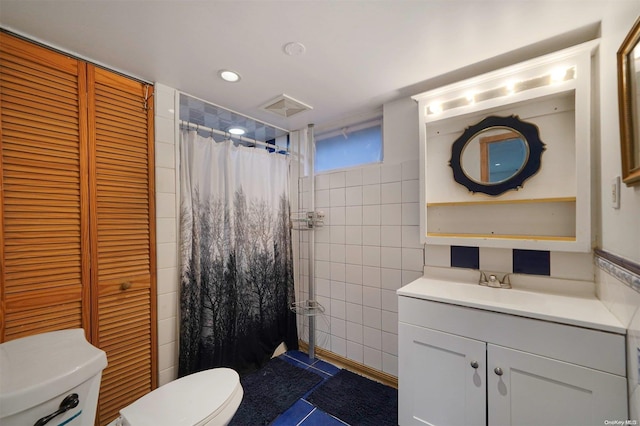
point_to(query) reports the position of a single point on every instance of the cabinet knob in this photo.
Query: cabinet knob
(498, 371)
(125, 285)
(474, 364)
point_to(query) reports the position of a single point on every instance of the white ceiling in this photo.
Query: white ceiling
(359, 54)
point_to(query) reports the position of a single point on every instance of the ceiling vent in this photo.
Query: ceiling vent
(285, 106)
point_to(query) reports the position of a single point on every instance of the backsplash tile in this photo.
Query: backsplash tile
(496, 259)
(572, 265)
(465, 257)
(534, 262)
(436, 255)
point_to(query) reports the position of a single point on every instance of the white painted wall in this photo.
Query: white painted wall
(400, 131)
(619, 229)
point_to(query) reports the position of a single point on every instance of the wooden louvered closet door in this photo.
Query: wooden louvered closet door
(77, 247)
(44, 255)
(122, 208)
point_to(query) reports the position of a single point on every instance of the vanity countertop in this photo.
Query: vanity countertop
(582, 311)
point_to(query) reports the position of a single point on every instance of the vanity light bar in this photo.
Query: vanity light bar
(511, 87)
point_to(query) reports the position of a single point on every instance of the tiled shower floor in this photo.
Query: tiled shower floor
(303, 412)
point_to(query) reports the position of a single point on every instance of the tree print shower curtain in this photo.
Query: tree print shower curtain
(236, 265)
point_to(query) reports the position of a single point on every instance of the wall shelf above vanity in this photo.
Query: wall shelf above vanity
(554, 220)
(543, 206)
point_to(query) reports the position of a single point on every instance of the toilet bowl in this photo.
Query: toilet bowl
(206, 398)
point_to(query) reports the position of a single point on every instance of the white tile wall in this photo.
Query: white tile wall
(369, 247)
(166, 233)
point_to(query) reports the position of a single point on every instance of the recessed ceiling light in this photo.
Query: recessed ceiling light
(230, 76)
(236, 131)
(294, 48)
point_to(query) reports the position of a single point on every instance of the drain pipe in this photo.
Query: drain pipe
(312, 291)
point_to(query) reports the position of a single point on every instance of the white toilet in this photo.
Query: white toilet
(54, 379)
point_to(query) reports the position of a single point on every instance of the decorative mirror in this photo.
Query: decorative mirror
(629, 105)
(496, 155)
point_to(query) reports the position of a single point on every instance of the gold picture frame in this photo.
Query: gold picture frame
(629, 105)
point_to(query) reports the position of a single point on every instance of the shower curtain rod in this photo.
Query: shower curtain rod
(228, 135)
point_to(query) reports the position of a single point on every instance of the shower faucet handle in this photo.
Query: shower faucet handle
(315, 219)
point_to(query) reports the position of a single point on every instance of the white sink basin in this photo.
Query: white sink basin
(580, 311)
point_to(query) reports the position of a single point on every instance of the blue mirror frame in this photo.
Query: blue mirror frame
(531, 137)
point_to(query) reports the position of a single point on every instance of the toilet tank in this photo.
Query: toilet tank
(44, 374)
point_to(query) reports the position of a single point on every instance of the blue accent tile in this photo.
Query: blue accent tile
(320, 418)
(465, 257)
(534, 262)
(295, 414)
(300, 356)
(325, 367)
(294, 362)
(320, 373)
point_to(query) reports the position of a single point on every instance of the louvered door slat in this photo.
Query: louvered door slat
(124, 264)
(129, 357)
(21, 66)
(30, 84)
(112, 143)
(134, 157)
(50, 318)
(44, 262)
(54, 309)
(23, 108)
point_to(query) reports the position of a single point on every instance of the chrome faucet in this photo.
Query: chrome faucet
(506, 281)
(493, 281)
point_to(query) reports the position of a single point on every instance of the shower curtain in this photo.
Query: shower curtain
(236, 266)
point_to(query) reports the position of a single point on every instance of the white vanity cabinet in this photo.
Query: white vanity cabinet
(466, 364)
(442, 378)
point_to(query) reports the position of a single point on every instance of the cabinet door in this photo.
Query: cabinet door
(44, 215)
(123, 240)
(441, 378)
(537, 391)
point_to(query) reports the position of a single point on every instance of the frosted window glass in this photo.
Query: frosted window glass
(360, 147)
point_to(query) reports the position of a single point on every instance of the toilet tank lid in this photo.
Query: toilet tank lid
(37, 368)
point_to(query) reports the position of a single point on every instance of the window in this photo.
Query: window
(348, 147)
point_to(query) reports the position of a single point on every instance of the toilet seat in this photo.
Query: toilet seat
(209, 397)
